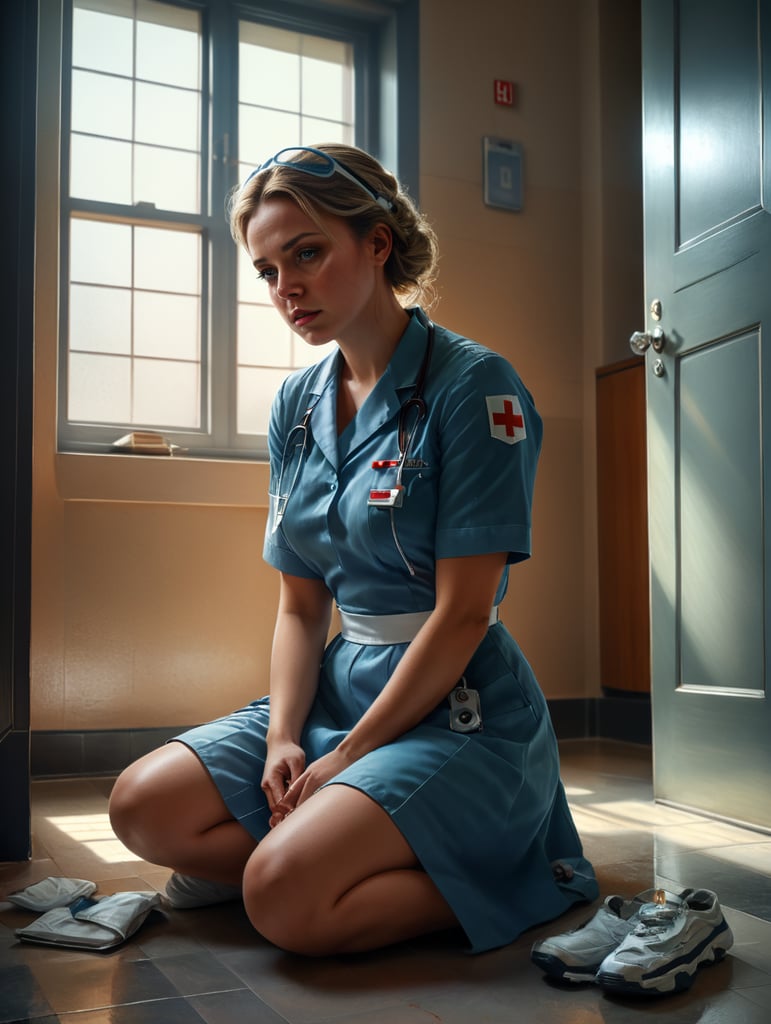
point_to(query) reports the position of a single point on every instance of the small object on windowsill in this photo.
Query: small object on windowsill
(146, 442)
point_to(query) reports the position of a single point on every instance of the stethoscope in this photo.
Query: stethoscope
(393, 497)
(414, 408)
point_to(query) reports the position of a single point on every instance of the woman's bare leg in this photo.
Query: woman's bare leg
(337, 876)
(166, 809)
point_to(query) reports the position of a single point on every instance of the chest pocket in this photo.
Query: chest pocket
(402, 522)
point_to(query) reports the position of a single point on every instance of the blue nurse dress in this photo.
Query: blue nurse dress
(484, 812)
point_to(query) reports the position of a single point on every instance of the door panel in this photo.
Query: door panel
(720, 531)
(718, 139)
(708, 262)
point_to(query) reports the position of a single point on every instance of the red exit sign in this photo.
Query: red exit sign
(505, 92)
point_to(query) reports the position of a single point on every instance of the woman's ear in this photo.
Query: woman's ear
(381, 242)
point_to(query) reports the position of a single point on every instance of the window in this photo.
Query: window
(166, 107)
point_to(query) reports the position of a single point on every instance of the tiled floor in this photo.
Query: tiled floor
(208, 965)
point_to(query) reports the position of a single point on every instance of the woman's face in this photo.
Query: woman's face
(323, 280)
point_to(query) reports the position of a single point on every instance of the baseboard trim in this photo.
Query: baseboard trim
(62, 753)
(59, 753)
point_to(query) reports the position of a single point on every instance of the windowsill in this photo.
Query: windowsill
(170, 480)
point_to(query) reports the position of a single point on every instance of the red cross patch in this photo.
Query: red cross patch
(506, 420)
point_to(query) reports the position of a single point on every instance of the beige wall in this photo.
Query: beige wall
(151, 605)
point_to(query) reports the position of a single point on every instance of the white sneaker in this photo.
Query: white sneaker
(577, 955)
(184, 892)
(667, 946)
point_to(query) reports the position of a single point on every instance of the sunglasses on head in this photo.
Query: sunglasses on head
(320, 165)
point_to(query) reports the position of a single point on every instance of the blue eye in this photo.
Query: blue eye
(266, 275)
(304, 255)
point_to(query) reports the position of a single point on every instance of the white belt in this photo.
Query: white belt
(381, 630)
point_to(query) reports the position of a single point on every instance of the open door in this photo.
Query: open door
(18, 48)
(707, 342)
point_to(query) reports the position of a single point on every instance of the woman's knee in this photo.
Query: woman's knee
(279, 904)
(131, 808)
(148, 800)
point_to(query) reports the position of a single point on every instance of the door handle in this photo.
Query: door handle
(641, 341)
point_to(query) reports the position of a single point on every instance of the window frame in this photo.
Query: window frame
(384, 36)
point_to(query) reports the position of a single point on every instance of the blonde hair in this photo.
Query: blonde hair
(411, 265)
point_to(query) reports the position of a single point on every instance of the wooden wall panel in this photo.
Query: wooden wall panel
(622, 516)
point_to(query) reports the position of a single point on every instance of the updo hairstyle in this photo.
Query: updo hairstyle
(411, 266)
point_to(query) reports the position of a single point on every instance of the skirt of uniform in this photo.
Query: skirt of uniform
(485, 812)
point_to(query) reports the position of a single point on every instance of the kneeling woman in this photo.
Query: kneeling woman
(404, 778)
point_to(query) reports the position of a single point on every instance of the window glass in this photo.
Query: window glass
(100, 170)
(166, 106)
(167, 117)
(166, 393)
(91, 309)
(168, 48)
(256, 388)
(100, 252)
(147, 91)
(166, 179)
(100, 388)
(134, 292)
(167, 260)
(101, 105)
(166, 326)
(103, 36)
(262, 339)
(314, 104)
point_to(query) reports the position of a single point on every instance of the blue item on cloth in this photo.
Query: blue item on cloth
(52, 892)
(484, 812)
(92, 924)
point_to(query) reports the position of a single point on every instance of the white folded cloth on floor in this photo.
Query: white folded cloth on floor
(90, 924)
(52, 892)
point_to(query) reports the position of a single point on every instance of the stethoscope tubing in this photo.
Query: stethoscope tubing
(405, 438)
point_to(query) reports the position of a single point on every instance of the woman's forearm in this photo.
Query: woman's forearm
(432, 665)
(294, 674)
(299, 639)
(436, 658)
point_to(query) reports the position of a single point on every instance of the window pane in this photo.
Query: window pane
(168, 117)
(102, 36)
(101, 105)
(100, 319)
(250, 287)
(161, 323)
(275, 113)
(140, 123)
(100, 169)
(167, 44)
(167, 260)
(256, 389)
(166, 178)
(99, 389)
(166, 325)
(156, 102)
(260, 70)
(307, 355)
(262, 133)
(166, 393)
(100, 253)
(266, 57)
(327, 79)
(314, 130)
(263, 338)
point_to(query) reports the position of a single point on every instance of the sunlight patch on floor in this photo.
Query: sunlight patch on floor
(95, 833)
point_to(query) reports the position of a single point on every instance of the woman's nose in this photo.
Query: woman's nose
(287, 284)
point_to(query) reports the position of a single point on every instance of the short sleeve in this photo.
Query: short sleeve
(490, 441)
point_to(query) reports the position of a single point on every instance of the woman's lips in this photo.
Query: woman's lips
(302, 317)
